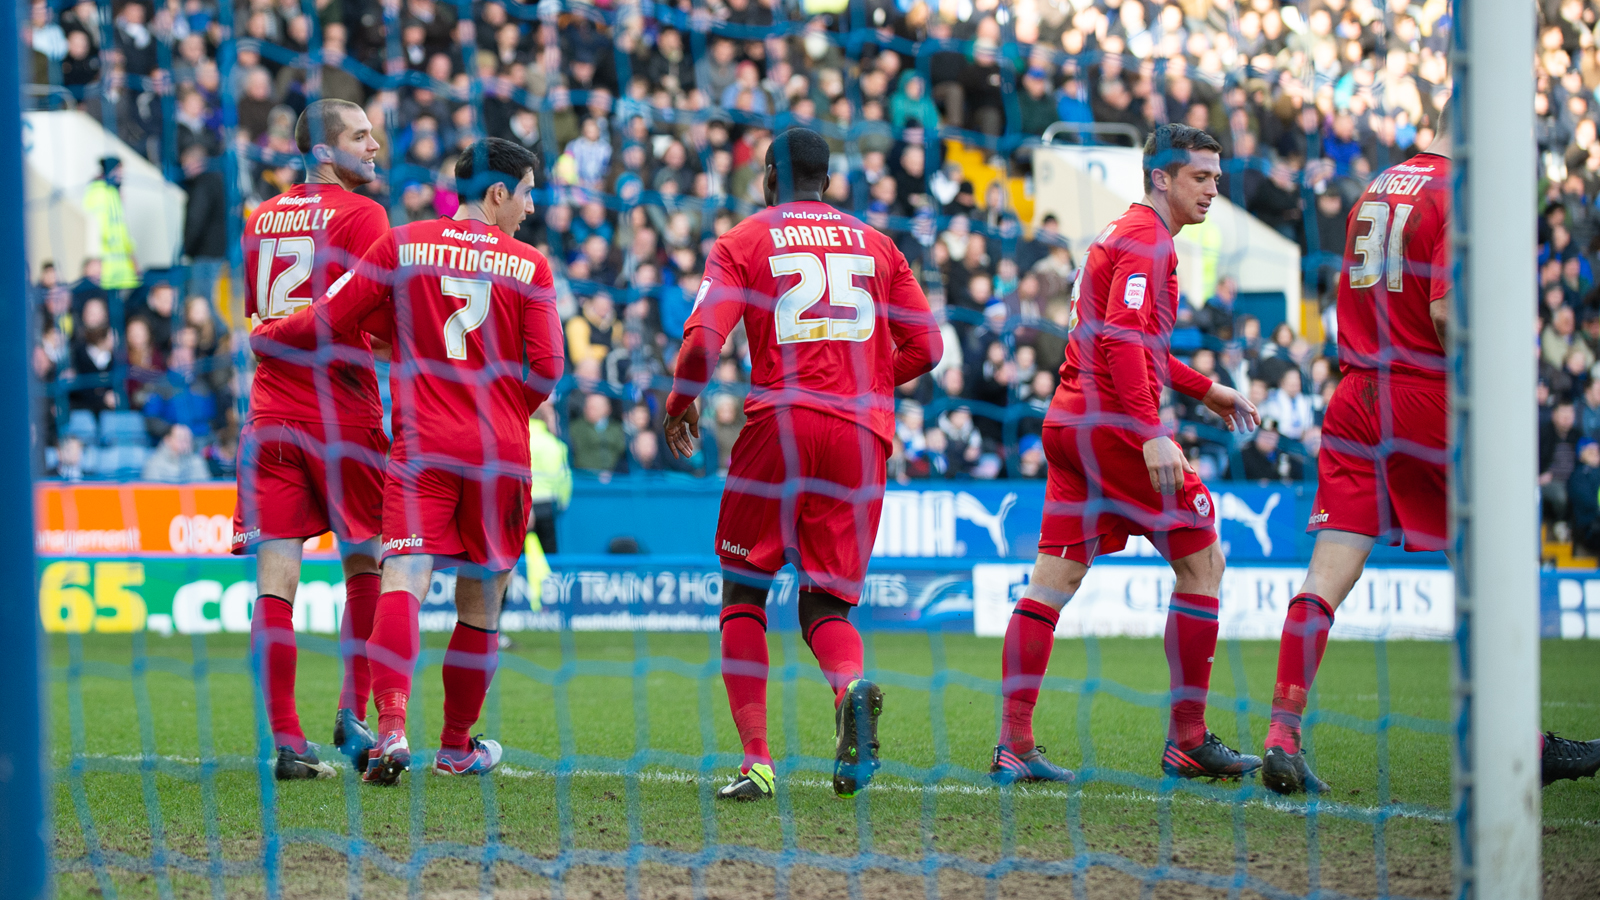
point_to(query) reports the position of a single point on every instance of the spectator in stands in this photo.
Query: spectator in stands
(963, 441)
(1561, 337)
(932, 460)
(183, 399)
(205, 224)
(597, 442)
(593, 333)
(727, 420)
(644, 454)
(222, 454)
(94, 352)
(174, 460)
(157, 313)
(1558, 455)
(1264, 460)
(1583, 494)
(145, 366)
(212, 348)
(1289, 406)
(69, 460)
(1031, 461)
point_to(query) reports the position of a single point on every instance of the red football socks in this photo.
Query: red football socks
(469, 666)
(272, 643)
(391, 655)
(1191, 642)
(837, 646)
(1305, 636)
(360, 603)
(1023, 660)
(744, 674)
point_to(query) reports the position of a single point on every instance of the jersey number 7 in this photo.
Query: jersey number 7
(838, 282)
(468, 318)
(1383, 238)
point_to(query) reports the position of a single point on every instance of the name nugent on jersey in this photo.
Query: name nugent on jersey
(818, 236)
(467, 259)
(1392, 183)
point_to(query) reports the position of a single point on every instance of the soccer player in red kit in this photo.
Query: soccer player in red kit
(312, 449)
(1391, 404)
(835, 319)
(469, 307)
(1116, 472)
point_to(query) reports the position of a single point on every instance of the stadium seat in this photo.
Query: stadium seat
(124, 429)
(83, 426)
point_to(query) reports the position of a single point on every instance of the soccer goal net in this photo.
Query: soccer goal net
(1034, 740)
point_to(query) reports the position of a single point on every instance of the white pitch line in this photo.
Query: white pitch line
(899, 787)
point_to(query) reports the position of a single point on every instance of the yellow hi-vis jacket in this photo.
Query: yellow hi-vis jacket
(108, 237)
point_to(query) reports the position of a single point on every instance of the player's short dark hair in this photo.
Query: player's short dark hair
(321, 123)
(802, 155)
(1168, 148)
(491, 161)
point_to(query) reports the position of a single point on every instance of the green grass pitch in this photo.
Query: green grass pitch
(525, 812)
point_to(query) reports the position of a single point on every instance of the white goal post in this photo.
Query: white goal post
(1493, 499)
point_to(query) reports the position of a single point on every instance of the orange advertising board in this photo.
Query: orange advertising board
(130, 519)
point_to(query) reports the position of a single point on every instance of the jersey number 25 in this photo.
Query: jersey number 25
(838, 283)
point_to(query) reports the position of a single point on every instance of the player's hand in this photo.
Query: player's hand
(1166, 462)
(681, 429)
(1238, 413)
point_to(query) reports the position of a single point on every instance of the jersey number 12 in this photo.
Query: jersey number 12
(1382, 248)
(274, 292)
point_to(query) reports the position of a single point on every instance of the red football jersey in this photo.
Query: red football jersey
(827, 301)
(469, 307)
(296, 245)
(1396, 262)
(1124, 302)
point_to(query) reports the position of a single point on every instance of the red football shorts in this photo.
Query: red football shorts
(1401, 421)
(803, 487)
(288, 490)
(1099, 493)
(467, 513)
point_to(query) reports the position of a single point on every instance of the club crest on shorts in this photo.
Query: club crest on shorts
(1202, 503)
(1133, 294)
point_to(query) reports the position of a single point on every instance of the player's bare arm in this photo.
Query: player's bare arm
(1439, 311)
(1237, 412)
(683, 430)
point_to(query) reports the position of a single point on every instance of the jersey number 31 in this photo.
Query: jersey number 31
(838, 282)
(1383, 239)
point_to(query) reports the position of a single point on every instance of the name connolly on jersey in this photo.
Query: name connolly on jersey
(294, 220)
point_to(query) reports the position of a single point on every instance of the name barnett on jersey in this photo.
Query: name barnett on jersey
(467, 259)
(817, 235)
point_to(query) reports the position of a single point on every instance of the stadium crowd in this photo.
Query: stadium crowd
(653, 127)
